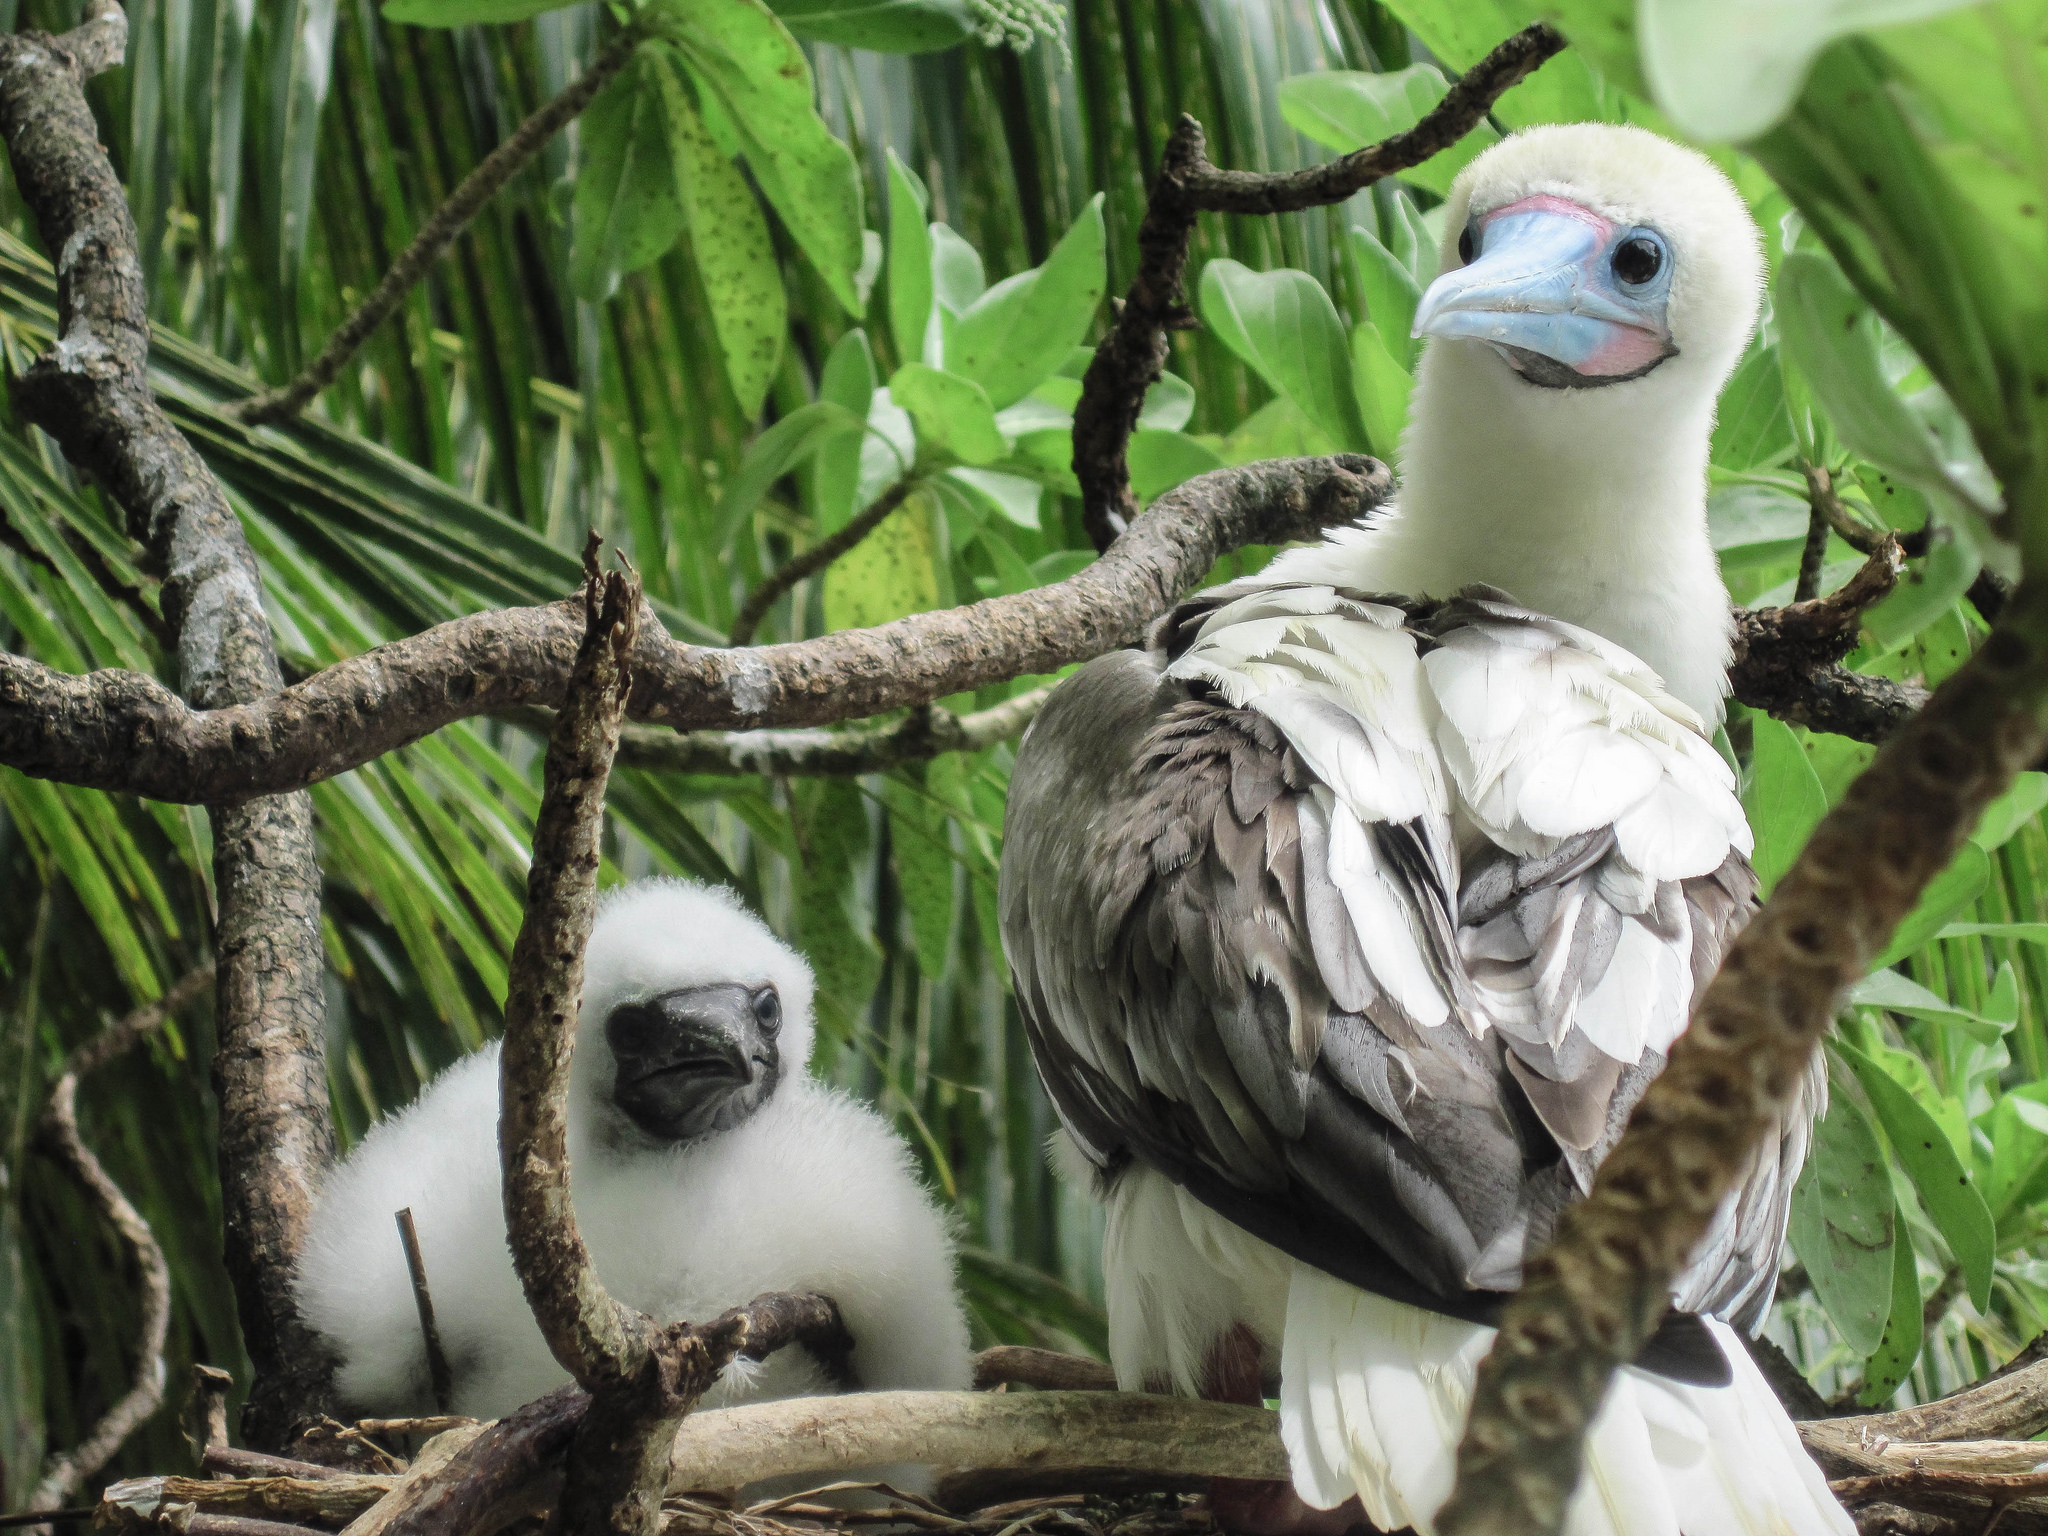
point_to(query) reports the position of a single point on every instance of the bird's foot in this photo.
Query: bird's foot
(1249, 1507)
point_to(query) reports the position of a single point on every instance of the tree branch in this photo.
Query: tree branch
(58, 1135)
(815, 559)
(121, 731)
(1592, 1297)
(1133, 356)
(92, 394)
(436, 235)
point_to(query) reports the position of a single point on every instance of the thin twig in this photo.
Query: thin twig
(1860, 536)
(1133, 356)
(1807, 587)
(1045, 1369)
(815, 559)
(438, 1373)
(436, 235)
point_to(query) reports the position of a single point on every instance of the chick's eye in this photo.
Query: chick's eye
(768, 1010)
(1466, 245)
(1637, 259)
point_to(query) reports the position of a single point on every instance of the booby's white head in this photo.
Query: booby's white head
(1598, 286)
(693, 1014)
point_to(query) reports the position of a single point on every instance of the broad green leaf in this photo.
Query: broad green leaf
(1383, 389)
(777, 451)
(739, 52)
(1349, 109)
(2012, 810)
(729, 237)
(1010, 496)
(465, 13)
(920, 844)
(1753, 525)
(953, 414)
(910, 263)
(1276, 430)
(889, 574)
(1286, 329)
(958, 277)
(1927, 592)
(1844, 1219)
(628, 207)
(1726, 70)
(1459, 33)
(1752, 428)
(831, 822)
(2020, 933)
(1016, 334)
(1162, 460)
(885, 26)
(1892, 1361)
(1782, 798)
(1947, 1188)
(2018, 1132)
(847, 381)
(1955, 888)
(1391, 292)
(1899, 993)
(1168, 404)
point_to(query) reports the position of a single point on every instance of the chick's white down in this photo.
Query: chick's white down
(813, 1192)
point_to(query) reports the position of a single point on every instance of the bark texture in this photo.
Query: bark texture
(1596, 1293)
(91, 393)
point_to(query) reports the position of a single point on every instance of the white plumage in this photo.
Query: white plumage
(1366, 897)
(812, 1191)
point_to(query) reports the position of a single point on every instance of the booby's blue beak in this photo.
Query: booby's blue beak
(1567, 297)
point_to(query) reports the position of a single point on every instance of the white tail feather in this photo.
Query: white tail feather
(1373, 1398)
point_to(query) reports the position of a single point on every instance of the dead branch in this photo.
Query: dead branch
(815, 559)
(1046, 1369)
(226, 1462)
(436, 235)
(91, 393)
(120, 731)
(1133, 356)
(438, 1371)
(2007, 1405)
(58, 1135)
(1589, 1300)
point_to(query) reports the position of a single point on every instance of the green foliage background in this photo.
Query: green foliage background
(650, 336)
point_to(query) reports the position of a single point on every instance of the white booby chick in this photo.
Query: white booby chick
(1348, 933)
(707, 1167)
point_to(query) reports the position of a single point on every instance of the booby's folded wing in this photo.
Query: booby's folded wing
(1361, 930)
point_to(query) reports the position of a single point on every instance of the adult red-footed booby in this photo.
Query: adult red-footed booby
(1347, 930)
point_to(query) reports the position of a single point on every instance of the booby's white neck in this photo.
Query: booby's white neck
(1586, 504)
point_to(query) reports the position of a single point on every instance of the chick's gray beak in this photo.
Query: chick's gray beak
(693, 1061)
(1543, 291)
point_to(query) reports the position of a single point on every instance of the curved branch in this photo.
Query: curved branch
(435, 236)
(1133, 356)
(125, 732)
(1591, 1298)
(815, 559)
(91, 393)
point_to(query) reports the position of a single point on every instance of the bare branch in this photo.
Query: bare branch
(92, 394)
(438, 1372)
(121, 731)
(1591, 1298)
(1045, 1369)
(436, 235)
(815, 559)
(1133, 356)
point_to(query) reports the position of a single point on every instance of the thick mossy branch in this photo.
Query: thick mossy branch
(1593, 1296)
(91, 393)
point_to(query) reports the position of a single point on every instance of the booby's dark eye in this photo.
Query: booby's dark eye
(1466, 244)
(768, 1010)
(1638, 259)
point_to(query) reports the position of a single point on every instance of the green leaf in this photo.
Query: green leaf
(465, 13)
(890, 573)
(952, 414)
(1843, 1224)
(1383, 390)
(884, 26)
(910, 263)
(1752, 428)
(1349, 109)
(1946, 1187)
(1926, 593)
(1018, 333)
(1782, 798)
(1284, 326)
(1390, 290)
(729, 237)
(747, 59)
(1899, 993)
(831, 821)
(777, 451)
(628, 208)
(1955, 888)
(1892, 1361)
(848, 382)
(920, 842)
(2003, 817)
(1753, 525)
(1162, 460)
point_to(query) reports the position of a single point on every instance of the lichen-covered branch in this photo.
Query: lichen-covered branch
(91, 393)
(125, 732)
(815, 559)
(58, 1136)
(436, 235)
(1133, 356)
(1592, 1297)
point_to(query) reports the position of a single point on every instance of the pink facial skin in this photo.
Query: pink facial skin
(1623, 348)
